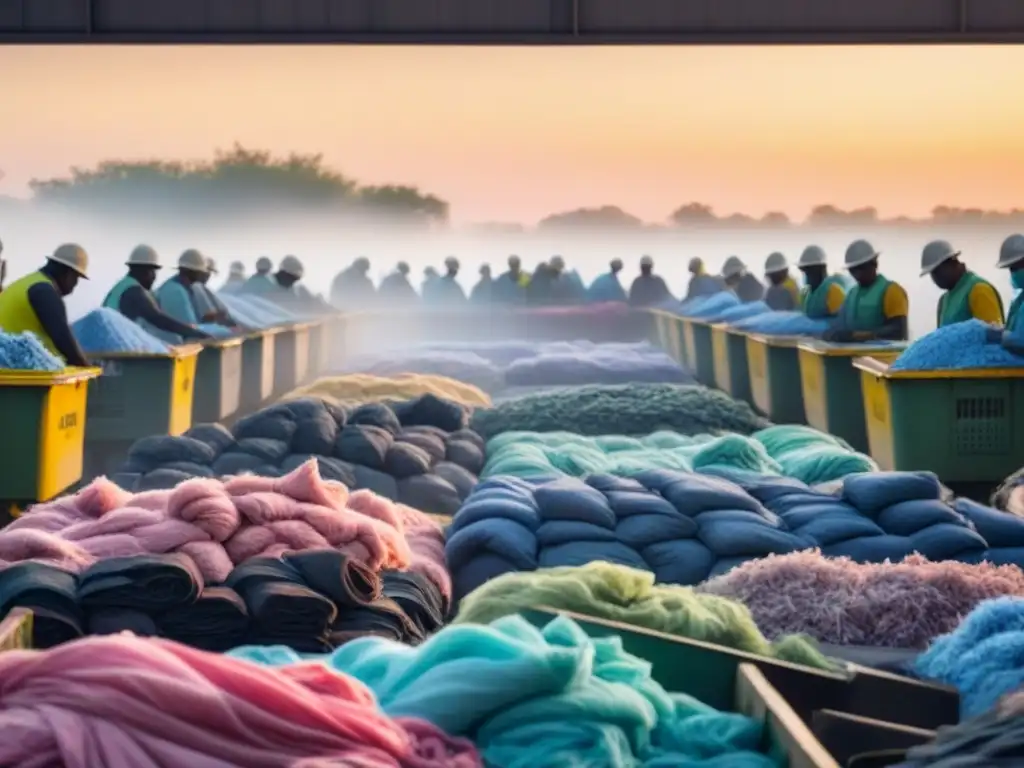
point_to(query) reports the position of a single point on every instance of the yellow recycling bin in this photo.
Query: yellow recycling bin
(44, 419)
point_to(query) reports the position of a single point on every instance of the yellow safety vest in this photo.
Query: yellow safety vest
(16, 313)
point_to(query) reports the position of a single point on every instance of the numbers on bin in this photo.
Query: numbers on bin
(68, 421)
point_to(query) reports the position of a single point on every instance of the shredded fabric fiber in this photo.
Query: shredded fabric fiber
(953, 347)
(24, 352)
(630, 409)
(365, 388)
(105, 330)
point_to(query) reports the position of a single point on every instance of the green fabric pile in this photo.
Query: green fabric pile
(630, 409)
(630, 596)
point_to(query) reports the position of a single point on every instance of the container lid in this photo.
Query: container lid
(70, 375)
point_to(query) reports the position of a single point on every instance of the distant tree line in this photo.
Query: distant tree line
(241, 182)
(701, 215)
(236, 182)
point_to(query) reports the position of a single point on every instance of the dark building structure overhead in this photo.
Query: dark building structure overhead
(541, 22)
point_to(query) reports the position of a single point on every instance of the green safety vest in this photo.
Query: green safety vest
(955, 304)
(814, 303)
(1015, 318)
(113, 301)
(16, 313)
(863, 309)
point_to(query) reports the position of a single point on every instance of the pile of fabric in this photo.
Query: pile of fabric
(904, 604)
(1009, 496)
(782, 324)
(704, 307)
(994, 738)
(796, 451)
(104, 330)
(24, 352)
(312, 600)
(542, 698)
(738, 312)
(689, 527)
(630, 596)
(630, 409)
(492, 367)
(151, 703)
(955, 347)
(366, 388)
(220, 524)
(983, 657)
(417, 452)
(255, 311)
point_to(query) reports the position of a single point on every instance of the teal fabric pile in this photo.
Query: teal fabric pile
(788, 450)
(542, 698)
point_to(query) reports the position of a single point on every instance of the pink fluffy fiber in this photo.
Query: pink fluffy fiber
(222, 523)
(126, 702)
(835, 600)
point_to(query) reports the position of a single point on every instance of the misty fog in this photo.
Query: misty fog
(325, 248)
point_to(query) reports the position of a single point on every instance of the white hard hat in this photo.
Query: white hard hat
(290, 265)
(646, 261)
(74, 256)
(1011, 251)
(733, 266)
(451, 263)
(264, 264)
(776, 262)
(237, 268)
(936, 252)
(194, 260)
(557, 262)
(813, 256)
(143, 256)
(211, 266)
(860, 252)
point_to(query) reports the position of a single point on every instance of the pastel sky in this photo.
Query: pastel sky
(516, 133)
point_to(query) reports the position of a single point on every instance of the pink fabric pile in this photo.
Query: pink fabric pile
(222, 523)
(127, 702)
(836, 600)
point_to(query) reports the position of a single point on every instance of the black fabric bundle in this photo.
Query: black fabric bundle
(310, 601)
(418, 452)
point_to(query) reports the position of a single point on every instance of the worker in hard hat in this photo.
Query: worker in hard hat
(541, 289)
(236, 278)
(35, 302)
(395, 289)
(965, 294)
(823, 295)
(737, 279)
(262, 282)
(132, 297)
(701, 283)
(607, 287)
(648, 289)
(510, 286)
(874, 308)
(447, 290)
(177, 298)
(483, 291)
(783, 293)
(352, 287)
(1011, 257)
(209, 302)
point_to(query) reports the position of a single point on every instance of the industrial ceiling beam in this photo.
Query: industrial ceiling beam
(514, 22)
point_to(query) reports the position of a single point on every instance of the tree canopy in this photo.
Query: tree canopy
(238, 181)
(241, 182)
